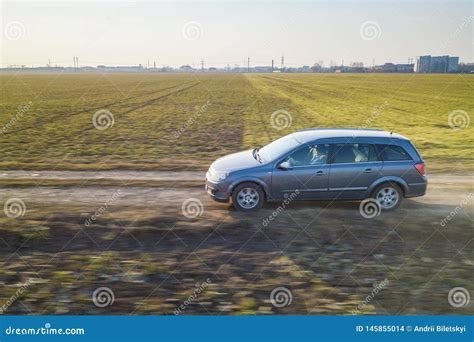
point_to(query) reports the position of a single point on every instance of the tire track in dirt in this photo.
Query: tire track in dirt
(143, 105)
(152, 101)
(292, 90)
(85, 110)
(263, 123)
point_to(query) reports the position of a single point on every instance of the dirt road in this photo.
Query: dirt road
(153, 245)
(443, 190)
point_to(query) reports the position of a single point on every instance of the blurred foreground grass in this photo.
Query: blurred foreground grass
(153, 258)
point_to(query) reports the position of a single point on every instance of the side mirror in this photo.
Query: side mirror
(285, 165)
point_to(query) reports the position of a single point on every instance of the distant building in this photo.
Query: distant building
(185, 68)
(316, 67)
(387, 67)
(263, 69)
(437, 64)
(423, 64)
(466, 68)
(404, 68)
(453, 64)
(104, 68)
(390, 67)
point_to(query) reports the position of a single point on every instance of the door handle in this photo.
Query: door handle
(320, 173)
(368, 170)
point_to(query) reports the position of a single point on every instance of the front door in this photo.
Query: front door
(305, 170)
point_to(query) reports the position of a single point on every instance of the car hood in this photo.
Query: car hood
(236, 161)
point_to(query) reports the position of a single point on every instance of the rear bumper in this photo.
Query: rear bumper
(218, 192)
(416, 189)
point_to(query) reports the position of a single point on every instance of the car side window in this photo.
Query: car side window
(354, 153)
(309, 155)
(393, 153)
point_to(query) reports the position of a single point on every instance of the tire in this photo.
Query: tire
(389, 196)
(248, 197)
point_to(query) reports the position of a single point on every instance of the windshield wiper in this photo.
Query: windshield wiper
(256, 155)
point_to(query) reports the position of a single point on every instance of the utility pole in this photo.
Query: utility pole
(154, 64)
(248, 64)
(202, 65)
(272, 65)
(282, 62)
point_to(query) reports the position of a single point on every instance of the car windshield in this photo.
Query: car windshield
(278, 148)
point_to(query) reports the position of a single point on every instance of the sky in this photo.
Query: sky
(226, 33)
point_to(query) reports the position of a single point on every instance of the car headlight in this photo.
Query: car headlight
(217, 176)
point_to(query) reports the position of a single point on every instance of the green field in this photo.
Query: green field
(217, 114)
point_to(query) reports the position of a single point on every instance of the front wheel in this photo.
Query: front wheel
(388, 195)
(248, 197)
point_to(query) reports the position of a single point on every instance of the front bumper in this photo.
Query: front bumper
(217, 191)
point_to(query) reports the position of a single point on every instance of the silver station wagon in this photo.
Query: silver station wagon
(321, 164)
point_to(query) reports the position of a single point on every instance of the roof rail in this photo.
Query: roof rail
(336, 128)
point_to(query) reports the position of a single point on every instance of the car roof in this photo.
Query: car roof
(312, 134)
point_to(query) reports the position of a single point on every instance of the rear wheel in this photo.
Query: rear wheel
(248, 197)
(388, 195)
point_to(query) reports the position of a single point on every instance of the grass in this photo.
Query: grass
(330, 266)
(185, 121)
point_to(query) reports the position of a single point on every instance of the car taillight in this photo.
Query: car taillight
(421, 168)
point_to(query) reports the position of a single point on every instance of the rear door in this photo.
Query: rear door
(354, 167)
(307, 172)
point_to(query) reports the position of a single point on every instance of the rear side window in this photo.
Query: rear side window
(354, 153)
(393, 153)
